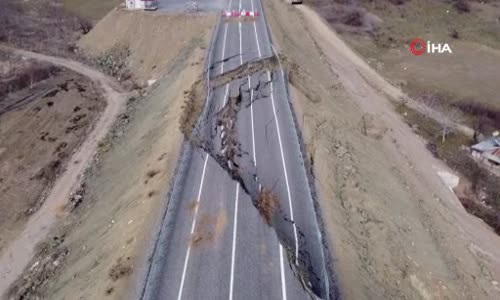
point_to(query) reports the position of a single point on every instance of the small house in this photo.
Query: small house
(488, 151)
(142, 4)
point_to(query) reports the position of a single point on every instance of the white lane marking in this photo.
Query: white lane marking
(282, 271)
(235, 228)
(239, 27)
(225, 95)
(286, 176)
(282, 263)
(327, 283)
(251, 114)
(241, 53)
(256, 35)
(223, 50)
(188, 252)
(224, 42)
(235, 217)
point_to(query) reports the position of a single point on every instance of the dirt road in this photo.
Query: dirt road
(20, 251)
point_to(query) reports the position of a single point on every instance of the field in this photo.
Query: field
(41, 124)
(91, 9)
(385, 29)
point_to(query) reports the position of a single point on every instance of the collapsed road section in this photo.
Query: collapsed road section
(241, 220)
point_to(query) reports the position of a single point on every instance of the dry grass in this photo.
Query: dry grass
(38, 137)
(147, 35)
(90, 9)
(18, 73)
(46, 264)
(120, 269)
(40, 25)
(192, 108)
(474, 38)
(101, 231)
(267, 204)
(209, 228)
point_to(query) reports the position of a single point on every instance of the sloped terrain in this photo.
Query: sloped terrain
(40, 127)
(396, 231)
(152, 40)
(99, 248)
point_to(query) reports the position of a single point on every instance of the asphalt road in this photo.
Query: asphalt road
(183, 5)
(214, 243)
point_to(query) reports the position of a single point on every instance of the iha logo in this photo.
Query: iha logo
(419, 47)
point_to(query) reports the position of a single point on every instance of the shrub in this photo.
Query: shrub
(398, 2)
(354, 18)
(85, 25)
(486, 113)
(462, 6)
(114, 62)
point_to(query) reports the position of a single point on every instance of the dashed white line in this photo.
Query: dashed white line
(256, 35)
(235, 228)
(282, 272)
(241, 54)
(286, 175)
(188, 252)
(224, 42)
(223, 50)
(282, 263)
(225, 95)
(235, 217)
(239, 28)
(251, 117)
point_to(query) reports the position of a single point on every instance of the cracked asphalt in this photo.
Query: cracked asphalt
(215, 244)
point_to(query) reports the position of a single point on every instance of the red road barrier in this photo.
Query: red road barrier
(237, 14)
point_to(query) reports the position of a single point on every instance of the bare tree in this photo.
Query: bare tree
(448, 117)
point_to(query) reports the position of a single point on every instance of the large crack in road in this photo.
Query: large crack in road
(217, 135)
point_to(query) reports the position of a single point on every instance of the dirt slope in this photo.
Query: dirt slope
(40, 127)
(153, 44)
(397, 232)
(125, 192)
(19, 252)
(97, 251)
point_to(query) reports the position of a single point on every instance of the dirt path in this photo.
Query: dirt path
(355, 68)
(396, 231)
(19, 252)
(464, 260)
